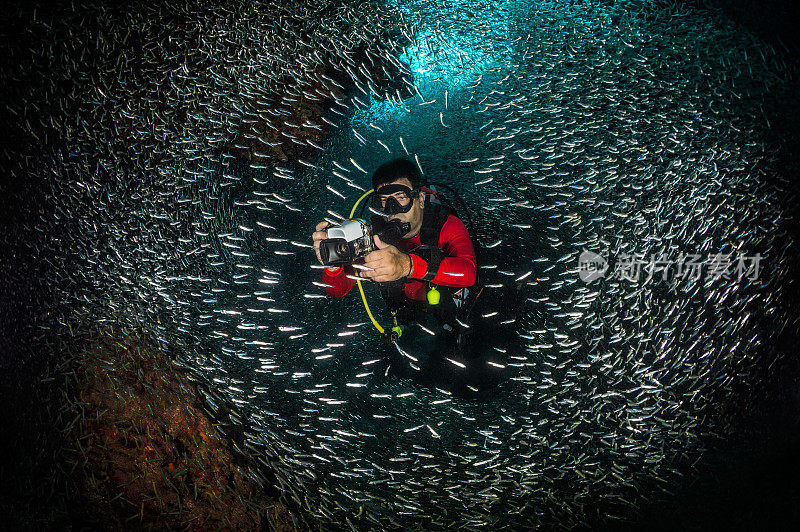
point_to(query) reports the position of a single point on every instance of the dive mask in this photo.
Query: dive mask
(392, 205)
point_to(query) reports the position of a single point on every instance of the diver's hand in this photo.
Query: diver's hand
(387, 263)
(318, 236)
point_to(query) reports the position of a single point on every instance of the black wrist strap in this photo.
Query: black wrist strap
(432, 256)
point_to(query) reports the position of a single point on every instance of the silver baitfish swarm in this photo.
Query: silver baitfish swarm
(187, 150)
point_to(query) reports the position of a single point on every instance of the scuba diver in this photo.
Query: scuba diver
(430, 271)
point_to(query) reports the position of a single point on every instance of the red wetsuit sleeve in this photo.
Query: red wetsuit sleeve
(459, 260)
(337, 283)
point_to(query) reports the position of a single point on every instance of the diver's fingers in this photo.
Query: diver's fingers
(375, 256)
(317, 237)
(361, 267)
(362, 271)
(319, 234)
(379, 274)
(385, 278)
(365, 273)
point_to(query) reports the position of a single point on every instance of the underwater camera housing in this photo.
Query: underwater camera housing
(352, 239)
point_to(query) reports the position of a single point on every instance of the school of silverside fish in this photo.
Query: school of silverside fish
(188, 151)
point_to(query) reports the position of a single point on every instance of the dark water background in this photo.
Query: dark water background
(735, 469)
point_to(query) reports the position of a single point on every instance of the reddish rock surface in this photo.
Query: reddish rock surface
(146, 454)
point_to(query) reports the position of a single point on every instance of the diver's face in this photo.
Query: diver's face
(414, 215)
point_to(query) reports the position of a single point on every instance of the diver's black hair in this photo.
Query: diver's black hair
(397, 169)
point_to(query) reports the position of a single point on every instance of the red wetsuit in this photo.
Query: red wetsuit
(459, 259)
